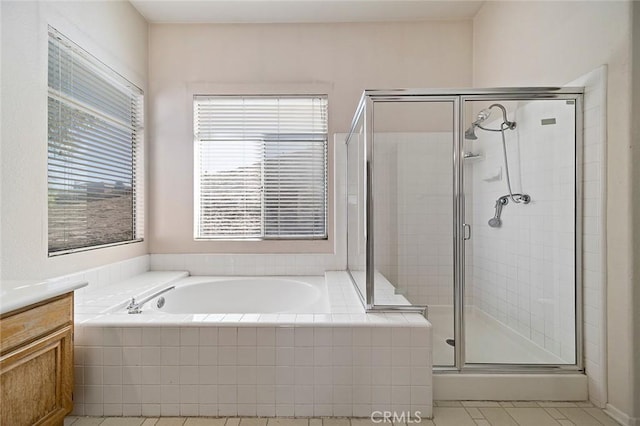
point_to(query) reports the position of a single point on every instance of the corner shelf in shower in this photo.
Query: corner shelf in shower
(469, 157)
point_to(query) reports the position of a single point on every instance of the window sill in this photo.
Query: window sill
(82, 249)
(325, 246)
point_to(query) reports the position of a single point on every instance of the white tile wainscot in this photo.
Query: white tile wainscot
(286, 365)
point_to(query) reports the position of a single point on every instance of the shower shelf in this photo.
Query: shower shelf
(469, 157)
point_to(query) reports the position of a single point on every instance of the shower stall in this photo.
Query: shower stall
(467, 204)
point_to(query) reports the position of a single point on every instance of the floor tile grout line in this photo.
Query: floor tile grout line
(597, 420)
(513, 418)
(564, 417)
(601, 410)
(477, 409)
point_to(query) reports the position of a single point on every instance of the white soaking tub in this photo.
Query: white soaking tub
(243, 295)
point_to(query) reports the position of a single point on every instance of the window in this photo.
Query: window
(94, 152)
(260, 167)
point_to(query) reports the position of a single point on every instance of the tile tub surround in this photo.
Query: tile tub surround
(332, 364)
(249, 264)
(106, 275)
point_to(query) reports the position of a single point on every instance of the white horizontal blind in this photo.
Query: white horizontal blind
(94, 152)
(261, 167)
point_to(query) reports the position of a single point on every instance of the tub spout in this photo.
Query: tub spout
(136, 307)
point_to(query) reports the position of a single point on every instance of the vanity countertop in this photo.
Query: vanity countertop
(16, 294)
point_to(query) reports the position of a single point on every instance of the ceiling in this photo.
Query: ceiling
(303, 11)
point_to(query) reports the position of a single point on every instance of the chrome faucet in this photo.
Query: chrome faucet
(136, 307)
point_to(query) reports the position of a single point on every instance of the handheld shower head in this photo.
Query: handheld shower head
(495, 222)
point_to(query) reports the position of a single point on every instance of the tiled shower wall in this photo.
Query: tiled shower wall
(413, 196)
(594, 231)
(385, 169)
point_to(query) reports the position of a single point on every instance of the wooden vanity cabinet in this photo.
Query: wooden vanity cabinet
(36, 363)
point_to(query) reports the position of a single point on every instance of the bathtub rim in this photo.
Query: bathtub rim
(335, 281)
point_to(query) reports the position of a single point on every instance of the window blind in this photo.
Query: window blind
(260, 167)
(94, 152)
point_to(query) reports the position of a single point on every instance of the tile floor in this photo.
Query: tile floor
(446, 413)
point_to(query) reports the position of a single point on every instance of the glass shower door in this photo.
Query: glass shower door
(520, 258)
(465, 202)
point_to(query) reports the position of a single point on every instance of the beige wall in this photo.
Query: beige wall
(635, 196)
(117, 35)
(552, 43)
(339, 59)
(1, 48)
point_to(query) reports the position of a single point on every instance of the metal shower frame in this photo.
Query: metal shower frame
(457, 98)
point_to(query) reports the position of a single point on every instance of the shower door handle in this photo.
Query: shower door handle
(467, 231)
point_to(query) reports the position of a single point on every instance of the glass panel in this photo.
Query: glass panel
(520, 281)
(356, 206)
(413, 212)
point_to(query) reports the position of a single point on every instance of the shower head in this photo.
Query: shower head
(482, 116)
(495, 223)
(470, 133)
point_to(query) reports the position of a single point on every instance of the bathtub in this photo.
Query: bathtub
(244, 295)
(294, 346)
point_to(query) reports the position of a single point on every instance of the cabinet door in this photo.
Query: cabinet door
(36, 381)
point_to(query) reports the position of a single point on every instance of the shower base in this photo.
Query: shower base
(488, 341)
